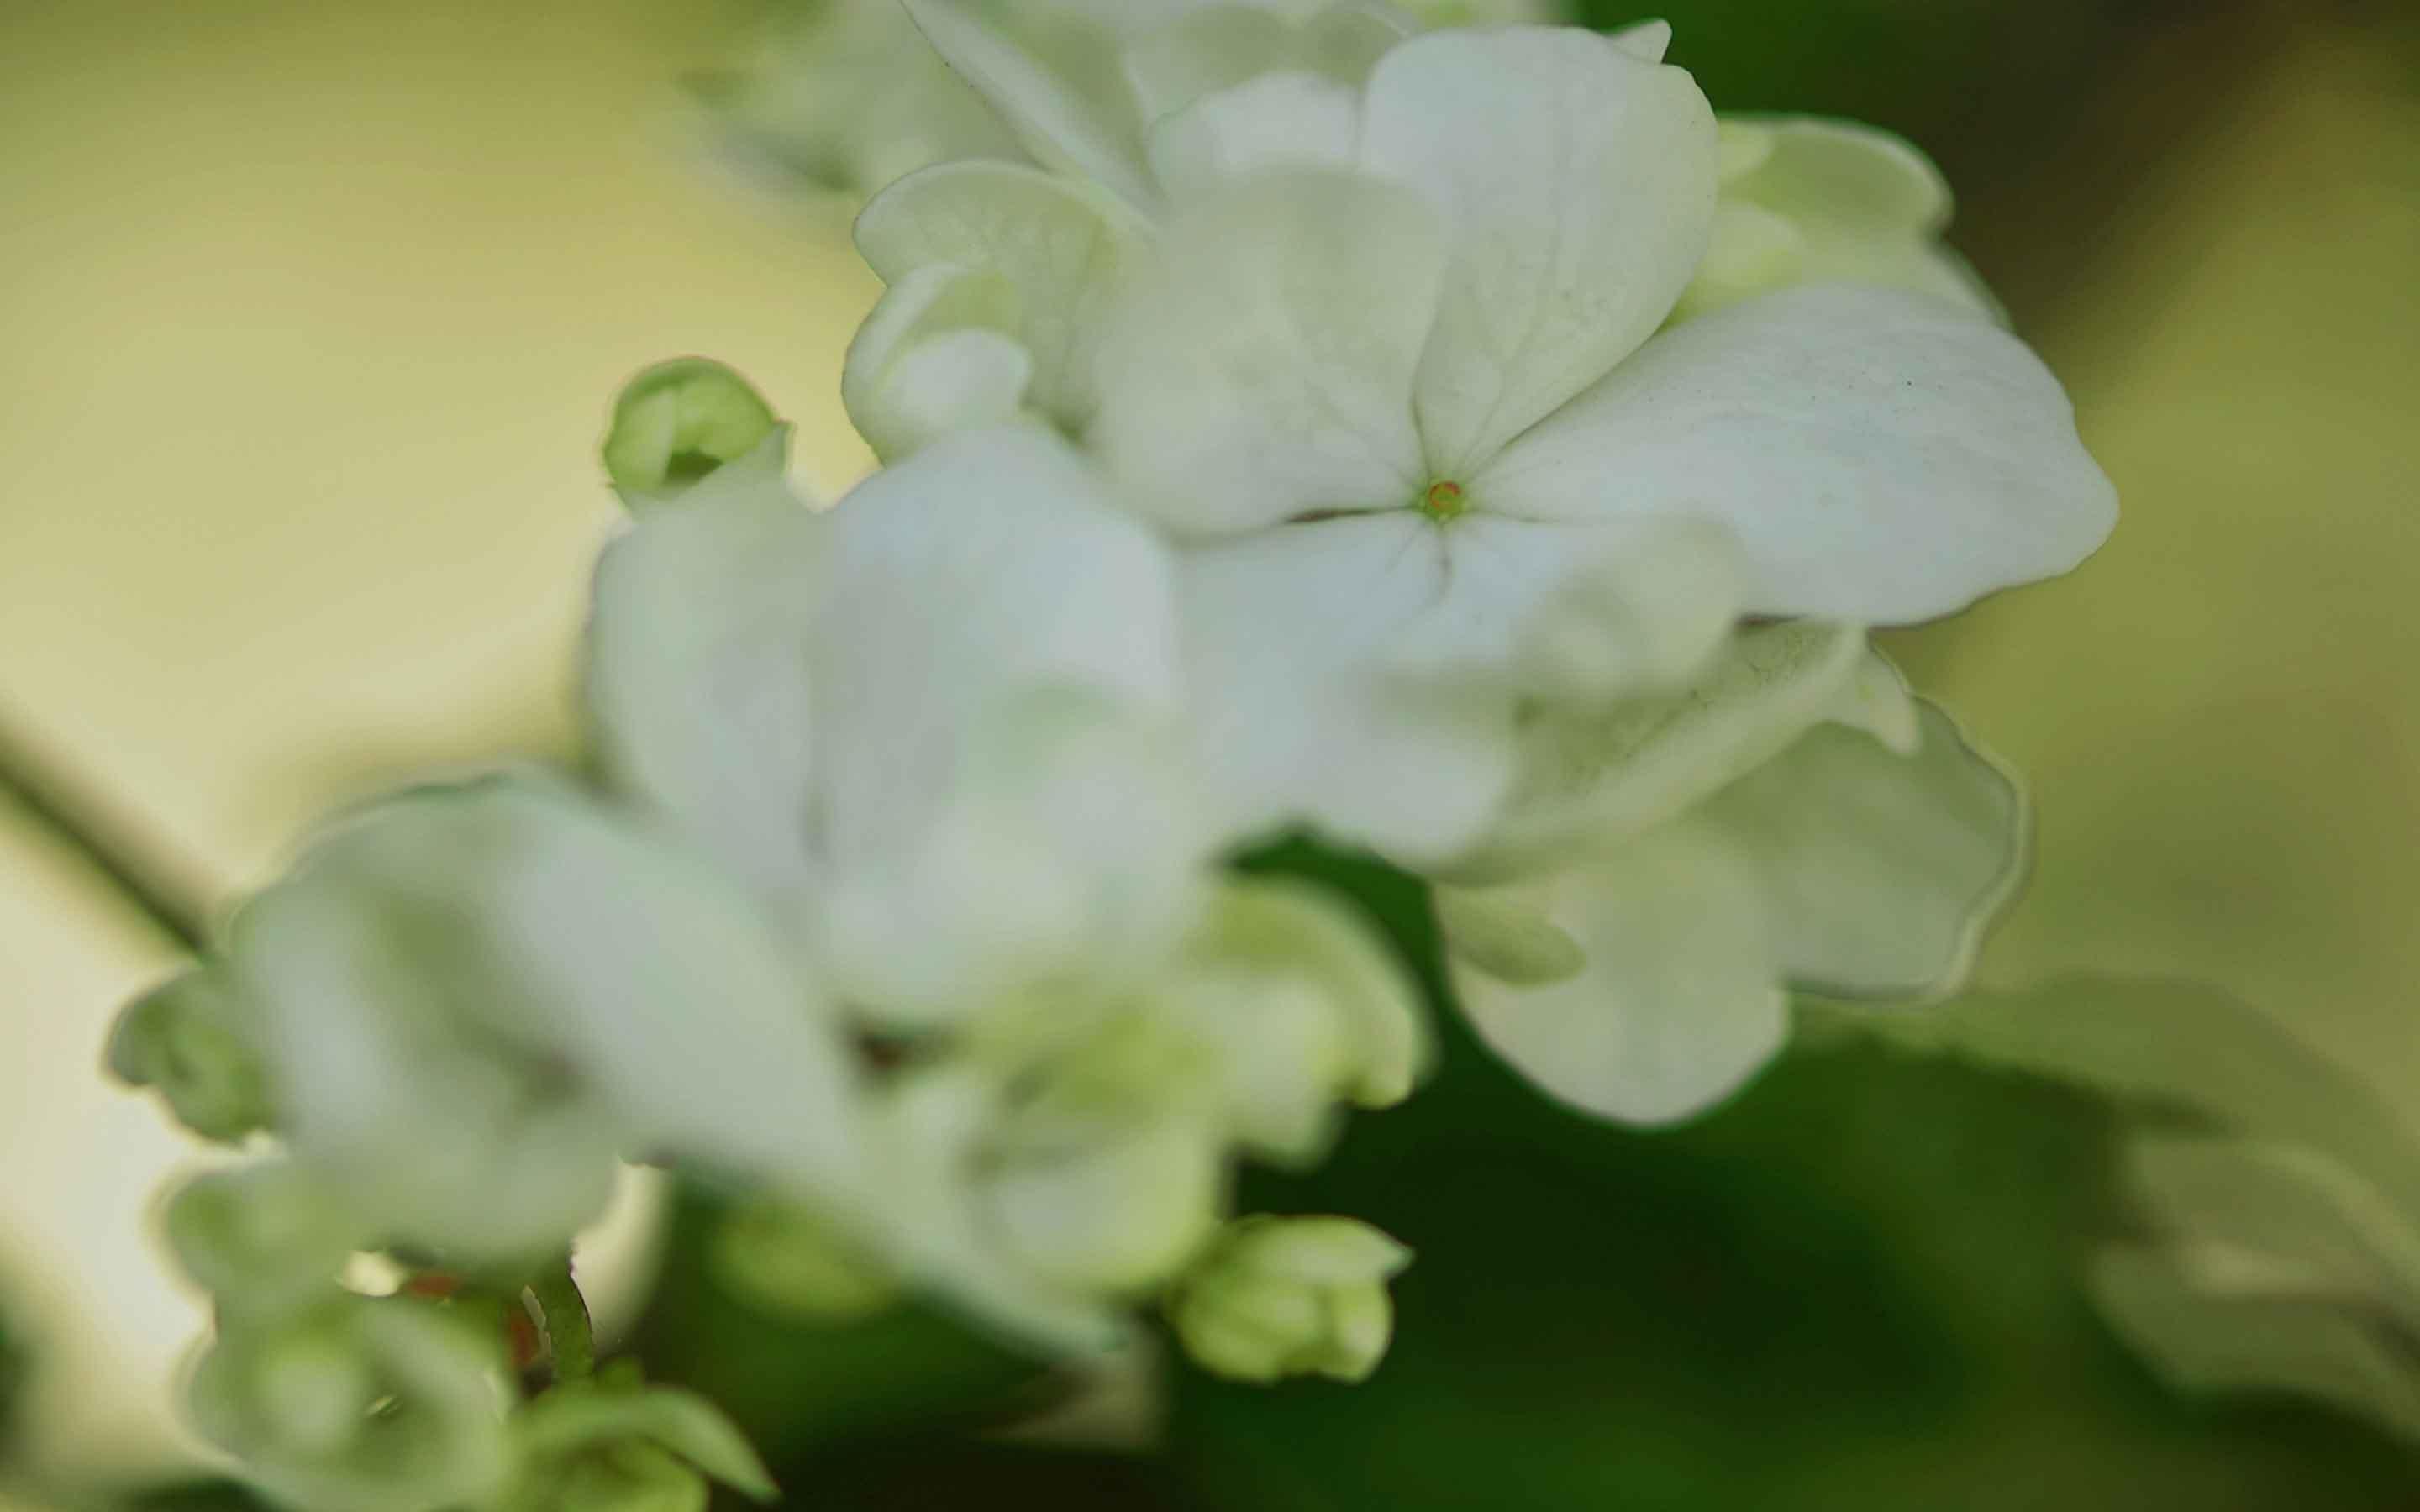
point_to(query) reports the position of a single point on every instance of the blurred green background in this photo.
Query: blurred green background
(309, 314)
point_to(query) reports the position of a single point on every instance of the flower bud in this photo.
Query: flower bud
(683, 421)
(187, 1039)
(1281, 1297)
(1809, 200)
(359, 1405)
(606, 1447)
(1296, 1010)
(263, 1239)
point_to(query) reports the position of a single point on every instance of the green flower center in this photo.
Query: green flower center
(1443, 501)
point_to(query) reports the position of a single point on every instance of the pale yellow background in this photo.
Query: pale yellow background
(308, 318)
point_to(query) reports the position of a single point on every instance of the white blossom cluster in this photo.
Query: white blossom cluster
(1452, 444)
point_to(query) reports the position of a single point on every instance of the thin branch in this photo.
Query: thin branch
(84, 823)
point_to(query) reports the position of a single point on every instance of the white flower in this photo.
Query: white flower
(849, 95)
(472, 1001)
(938, 729)
(1386, 364)
(1670, 868)
(937, 724)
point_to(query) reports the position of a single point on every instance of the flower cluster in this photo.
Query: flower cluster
(1454, 443)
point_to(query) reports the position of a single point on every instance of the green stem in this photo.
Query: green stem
(570, 1336)
(80, 822)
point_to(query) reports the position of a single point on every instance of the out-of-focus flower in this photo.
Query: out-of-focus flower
(939, 728)
(1279, 1296)
(1670, 868)
(849, 95)
(1403, 450)
(844, 95)
(1807, 200)
(359, 1405)
(473, 1000)
(940, 721)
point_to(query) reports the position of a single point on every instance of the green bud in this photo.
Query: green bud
(683, 421)
(791, 1261)
(359, 1405)
(262, 1239)
(1297, 1009)
(606, 1447)
(187, 1040)
(616, 1477)
(1279, 1296)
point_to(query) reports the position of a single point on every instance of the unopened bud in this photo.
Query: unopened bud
(186, 1040)
(682, 422)
(262, 1239)
(1281, 1297)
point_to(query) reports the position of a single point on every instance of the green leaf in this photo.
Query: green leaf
(2207, 1342)
(2191, 1048)
(2291, 1207)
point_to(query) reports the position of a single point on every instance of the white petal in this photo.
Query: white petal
(1058, 246)
(1576, 182)
(1879, 870)
(1753, 251)
(1303, 1008)
(1819, 169)
(1068, 849)
(1297, 714)
(1589, 778)
(938, 354)
(1057, 87)
(1881, 456)
(1677, 1003)
(1275, 121)
(1120, 1212)
(1859, 204)
(1218, 46)
(1578, 613)
(1646, 40)
(932, 1124)
(1001, 638)
(697, 680)
(1208, 48)
(1262, 368)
